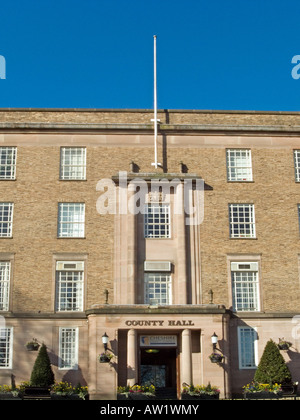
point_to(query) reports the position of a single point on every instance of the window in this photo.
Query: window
(247, 342)
(239, 165)
(157, 221)
(73, 163)
(71, 220)
(4, 285)
(6, 219)
(297, 165)
(69, 285)
(8, 156)
(6, 340)
(245, 286)
(68, 348)
(158, 288)
(242, 221)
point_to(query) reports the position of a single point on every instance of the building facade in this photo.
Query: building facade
(96, 240)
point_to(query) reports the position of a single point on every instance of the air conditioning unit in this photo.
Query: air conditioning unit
(157, 266)
(244, 266)
(69, 265)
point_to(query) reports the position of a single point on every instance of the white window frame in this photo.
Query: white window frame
(239, 165)
(6, 219)
(71, 220)
(73, 163)
(68, 348)
(248, 351)
(5, 273)
(242, 221)
(245, 287)
(6, 347)
(8, 160)
(70, 287)
(157, 221)
(297, 165)
(158, 288)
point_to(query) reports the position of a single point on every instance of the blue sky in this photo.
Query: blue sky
(211, 54)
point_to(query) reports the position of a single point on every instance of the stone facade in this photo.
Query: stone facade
(191, 145)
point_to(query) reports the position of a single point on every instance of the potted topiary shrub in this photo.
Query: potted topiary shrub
(42, 376)
(271, 375)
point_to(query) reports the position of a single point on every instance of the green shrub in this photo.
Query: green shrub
(272, 368)
(42, 374)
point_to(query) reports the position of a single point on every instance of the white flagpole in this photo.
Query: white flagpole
(155, 164)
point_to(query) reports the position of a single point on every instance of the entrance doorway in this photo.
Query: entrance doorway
(158, 367)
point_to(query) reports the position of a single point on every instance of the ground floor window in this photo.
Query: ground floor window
(68, 348)
(247, 341)
(6, 341)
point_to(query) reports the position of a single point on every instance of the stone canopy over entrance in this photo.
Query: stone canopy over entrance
(165, 346)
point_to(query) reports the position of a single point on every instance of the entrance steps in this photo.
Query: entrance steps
(166, 394)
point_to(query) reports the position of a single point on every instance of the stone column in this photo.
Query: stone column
(132, 359)
(186, 357)
(182, 298)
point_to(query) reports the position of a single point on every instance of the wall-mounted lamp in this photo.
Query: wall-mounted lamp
(105, 340)
(214, 340)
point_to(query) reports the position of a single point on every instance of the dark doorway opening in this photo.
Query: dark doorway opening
(158, 367)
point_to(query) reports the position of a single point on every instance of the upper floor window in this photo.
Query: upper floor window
(157, 221)
(158, 288)
(297, 165)
(242, 221)
(245, 286)
(73, 163)
(6, 219)
(69, 285)
(239, 165)
(4, 285)
(71, 218)
(8, 156)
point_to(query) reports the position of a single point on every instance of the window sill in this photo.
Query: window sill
(240, 238)
(71, 237)
(241, 182)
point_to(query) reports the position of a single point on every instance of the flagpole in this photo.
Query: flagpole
(155, 164)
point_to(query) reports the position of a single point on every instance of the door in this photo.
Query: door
(158, 367)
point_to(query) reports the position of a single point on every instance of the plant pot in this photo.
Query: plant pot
(37, 391)
(264, 395)
(104, 359)
(283, 346)
(186, 396)
(216, 359)
(32, 346)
